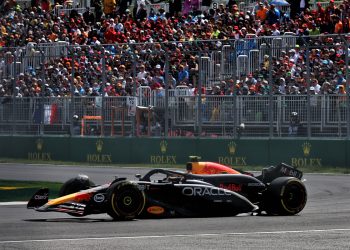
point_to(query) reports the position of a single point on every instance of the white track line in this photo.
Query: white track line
(13, 203)
(179, 235)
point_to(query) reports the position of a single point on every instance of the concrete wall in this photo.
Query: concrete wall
(242, 152)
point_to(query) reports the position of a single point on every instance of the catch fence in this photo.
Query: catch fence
(183, 115)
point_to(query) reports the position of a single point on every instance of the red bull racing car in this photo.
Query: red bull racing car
(205, 189)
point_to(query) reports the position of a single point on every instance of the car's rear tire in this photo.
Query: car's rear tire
(125, 200)
(285, 196)
(81, 182)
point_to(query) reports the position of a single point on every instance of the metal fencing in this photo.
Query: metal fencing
(187, 115)
(40, 88)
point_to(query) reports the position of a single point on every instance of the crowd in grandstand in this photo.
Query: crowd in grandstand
(138, 43)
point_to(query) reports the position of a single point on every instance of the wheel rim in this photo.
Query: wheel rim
(127, 201)
(294, 197)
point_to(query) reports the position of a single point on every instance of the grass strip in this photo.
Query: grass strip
(23, 190)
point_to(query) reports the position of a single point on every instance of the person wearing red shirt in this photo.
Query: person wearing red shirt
(110, 34)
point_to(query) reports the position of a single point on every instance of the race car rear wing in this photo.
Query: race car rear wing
(282, 169)
(40, 198)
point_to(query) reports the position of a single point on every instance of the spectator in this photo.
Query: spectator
(33, 25)
(142, 74)
(123, 6)
(183, 75)
(273, 15)
(89, 17)
(294, 125)
(261, 13)
(97, 5)
(109, 7)
(338, 24)
(190, 6)
(275, 30)
(141, 13)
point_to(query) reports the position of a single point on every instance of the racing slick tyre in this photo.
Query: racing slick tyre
(125, 200)
(285, 196)
(81, 182)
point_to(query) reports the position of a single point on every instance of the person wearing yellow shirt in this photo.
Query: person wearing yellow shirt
(109, 7)
(3, 30)
(215, 34)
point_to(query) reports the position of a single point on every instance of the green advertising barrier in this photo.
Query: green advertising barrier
(171, 151)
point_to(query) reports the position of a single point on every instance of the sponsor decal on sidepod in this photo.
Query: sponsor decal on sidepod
(202, 191)
(99, 198)
(155, 210)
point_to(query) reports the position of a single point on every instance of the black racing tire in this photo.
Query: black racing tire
(125, 201)
(81, 182)
(285, 196)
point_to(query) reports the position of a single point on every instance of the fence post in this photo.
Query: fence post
(103, 91)
(235, 98)
(167, 82)
(13, 94)
(307, 54)
(347, 85)
(134, 61)
(270, 113)
(199, 98)
(42, 92)
(72, 103)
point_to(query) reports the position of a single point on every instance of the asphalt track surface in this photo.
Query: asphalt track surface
(323, 224)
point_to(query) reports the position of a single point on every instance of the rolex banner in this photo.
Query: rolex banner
(242, 153)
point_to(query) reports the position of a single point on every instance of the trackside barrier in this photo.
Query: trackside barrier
(327, 115)
(169, 151)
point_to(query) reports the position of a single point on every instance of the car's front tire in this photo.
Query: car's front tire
(76, 184)
(81, 182)
(125, 200)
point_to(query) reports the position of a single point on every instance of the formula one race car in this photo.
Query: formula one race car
(206, 189)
